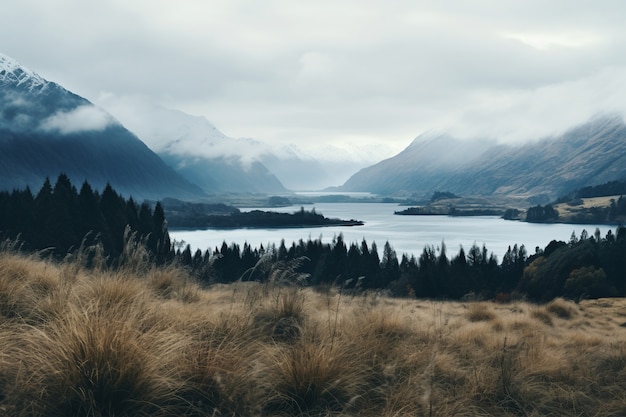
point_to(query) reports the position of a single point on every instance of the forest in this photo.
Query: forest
(60, 220)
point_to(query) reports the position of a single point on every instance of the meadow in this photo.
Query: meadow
(139, 340)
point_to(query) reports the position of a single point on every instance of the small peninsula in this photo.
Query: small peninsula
(237, 219)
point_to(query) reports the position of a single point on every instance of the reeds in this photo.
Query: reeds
(141, 341)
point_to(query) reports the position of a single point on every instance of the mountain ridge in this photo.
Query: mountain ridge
(424, 157)
(12, 72)
(46, 130)
(186, 140)
(590, 153)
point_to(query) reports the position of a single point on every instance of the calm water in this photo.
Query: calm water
(406, 234)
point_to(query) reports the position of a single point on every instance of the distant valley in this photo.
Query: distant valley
(201, 152)
(46, 130)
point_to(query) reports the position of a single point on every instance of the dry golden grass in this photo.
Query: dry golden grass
(141, 341)
(565, 209)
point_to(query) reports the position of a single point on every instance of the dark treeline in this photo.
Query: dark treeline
(61, 219)
(585, 267)
(609, 188)
(257, 218)
(542, 214)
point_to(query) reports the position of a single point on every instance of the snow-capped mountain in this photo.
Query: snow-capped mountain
(11, 72)
(185, 141)
(46, 130)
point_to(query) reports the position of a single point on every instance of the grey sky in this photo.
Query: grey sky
(347, 72)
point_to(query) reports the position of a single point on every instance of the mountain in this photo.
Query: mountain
(46, 130)
(196, 149)
(201, 152)
(304, 170)
(419, 168)
(592, 153)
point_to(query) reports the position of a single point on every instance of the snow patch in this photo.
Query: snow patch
(12, 72)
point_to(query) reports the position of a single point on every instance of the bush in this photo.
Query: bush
(587, 282)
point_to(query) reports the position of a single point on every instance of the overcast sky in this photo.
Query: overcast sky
(351, 72)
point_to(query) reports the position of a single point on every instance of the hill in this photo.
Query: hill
(419, 169)
(592, 153)
(596, 204)
(46, 130)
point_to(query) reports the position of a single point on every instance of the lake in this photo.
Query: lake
(406, 234)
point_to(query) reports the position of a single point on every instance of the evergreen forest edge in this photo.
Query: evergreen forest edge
(61, 221)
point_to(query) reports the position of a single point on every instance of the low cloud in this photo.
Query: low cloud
(526, 115)
(350, 74)
(174, 132)
(86, 118)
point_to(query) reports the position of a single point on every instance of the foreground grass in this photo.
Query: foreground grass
(151, 342)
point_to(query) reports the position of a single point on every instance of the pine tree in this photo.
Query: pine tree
(161, 243)
(63, 212)
(113, 210)
(460, 279)
(389, 266)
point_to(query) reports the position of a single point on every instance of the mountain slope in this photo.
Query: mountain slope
(46, 130)
(196, 149)
(592, 153)
(419, 168)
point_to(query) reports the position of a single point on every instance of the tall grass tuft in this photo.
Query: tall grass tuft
(282, 318)
(561, 308)
(313, 377)
(31, 290)
(172, 282)
(96, 363)
(480, 312)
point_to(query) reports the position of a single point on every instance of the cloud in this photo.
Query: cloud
(545, 41)
(330, 73)
(81, 119)
(523, 115)
(174, 132)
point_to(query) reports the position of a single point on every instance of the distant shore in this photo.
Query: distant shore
(257, 219)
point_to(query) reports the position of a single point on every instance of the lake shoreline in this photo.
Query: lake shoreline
(406, 234)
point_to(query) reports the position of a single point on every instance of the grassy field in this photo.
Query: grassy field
(150, 342)
(567, 211)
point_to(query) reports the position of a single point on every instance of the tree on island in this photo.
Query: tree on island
(542, 214)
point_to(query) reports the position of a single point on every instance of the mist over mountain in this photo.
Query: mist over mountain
(592, 153)
(589, 154)
(420, 167)
(46, 130)
(208, 157)
(196, 149)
